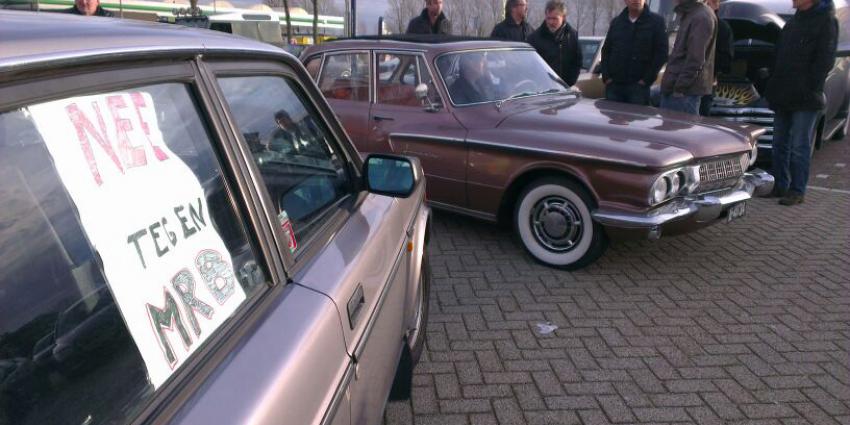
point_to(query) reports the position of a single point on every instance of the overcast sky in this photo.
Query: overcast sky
(368, 11)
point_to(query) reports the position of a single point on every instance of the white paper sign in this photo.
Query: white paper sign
(146, 214)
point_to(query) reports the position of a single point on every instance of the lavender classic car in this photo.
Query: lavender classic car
(502, 138)
(187, 235)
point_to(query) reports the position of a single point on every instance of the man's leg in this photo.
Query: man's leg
(781, 153)
(705, 104)
(614, 92)
(802, 135)
(638, 94)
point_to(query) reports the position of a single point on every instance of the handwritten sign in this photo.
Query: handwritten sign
(145, 212)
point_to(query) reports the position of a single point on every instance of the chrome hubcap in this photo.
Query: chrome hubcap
(556, 224)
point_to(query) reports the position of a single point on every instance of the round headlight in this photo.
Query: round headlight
(659, 190)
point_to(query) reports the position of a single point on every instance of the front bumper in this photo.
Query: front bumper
(685, 214)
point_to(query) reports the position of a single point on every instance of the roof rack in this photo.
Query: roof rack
(417, 38)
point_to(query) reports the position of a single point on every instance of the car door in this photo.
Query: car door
(400, 123)
(344, 81)
(346, 244)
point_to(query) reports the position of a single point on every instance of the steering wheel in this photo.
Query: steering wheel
(525, 85)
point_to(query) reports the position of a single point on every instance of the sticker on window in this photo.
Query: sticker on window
(146, 214)
(288, 231)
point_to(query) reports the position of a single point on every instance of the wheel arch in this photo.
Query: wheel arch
(526, 177)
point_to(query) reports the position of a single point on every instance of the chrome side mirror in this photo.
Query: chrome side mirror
(421, 93)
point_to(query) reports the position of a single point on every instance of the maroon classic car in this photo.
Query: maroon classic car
(502, 138)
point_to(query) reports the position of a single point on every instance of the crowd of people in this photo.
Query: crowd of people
(636, 49)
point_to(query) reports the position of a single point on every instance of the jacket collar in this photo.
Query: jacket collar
(825, 6)
(557, 35)
(643, 14)
(510, 21)
(424, 15)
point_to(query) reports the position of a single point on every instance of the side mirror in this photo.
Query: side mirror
(392, 175)
(421, 93)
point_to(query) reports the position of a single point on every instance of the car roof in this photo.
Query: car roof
(42, 39)
(435, 45)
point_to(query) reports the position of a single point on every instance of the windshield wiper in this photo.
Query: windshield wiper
(512, 97)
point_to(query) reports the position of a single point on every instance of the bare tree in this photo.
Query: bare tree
(400, 12)
(315, 21)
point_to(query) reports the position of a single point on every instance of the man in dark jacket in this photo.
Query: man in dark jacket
(515, 27)
(557, 42)
(690, 67)
(805, 54)
(724, 52)
(431, 20)
(635, 49)
(89, 8)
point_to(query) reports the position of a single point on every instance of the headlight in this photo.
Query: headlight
(659, 190)
(675, 183)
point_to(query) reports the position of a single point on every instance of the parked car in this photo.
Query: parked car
(589, 81)
(524, 148)
(756, 25)
(188, 236)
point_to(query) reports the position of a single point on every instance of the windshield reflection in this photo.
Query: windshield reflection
(484, 76)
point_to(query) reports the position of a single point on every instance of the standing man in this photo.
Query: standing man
(690, 68)
(557, 42)
(804, 56)
(635, 49)
(515, 27)
(89, 8)
(724, 52)
(431, 20)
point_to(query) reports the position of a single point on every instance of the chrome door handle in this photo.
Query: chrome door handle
(355, 306)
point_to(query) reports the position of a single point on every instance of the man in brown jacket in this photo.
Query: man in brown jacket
(690, 67)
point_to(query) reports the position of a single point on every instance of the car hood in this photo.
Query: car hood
(623, 133)
(751, 20)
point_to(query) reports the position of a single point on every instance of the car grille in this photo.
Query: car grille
(719, 174)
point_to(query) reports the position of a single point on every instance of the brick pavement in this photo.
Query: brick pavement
(746, 323)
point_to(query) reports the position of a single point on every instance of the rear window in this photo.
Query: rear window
(121, 252)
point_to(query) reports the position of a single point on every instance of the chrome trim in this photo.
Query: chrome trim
(704, 208)
(428, 137)
(339, 394)
(566, 154)
(463, 211)
(373, 318)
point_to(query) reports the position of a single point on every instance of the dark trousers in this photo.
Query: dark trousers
(793, 134)
(705, 104)
(633, 93)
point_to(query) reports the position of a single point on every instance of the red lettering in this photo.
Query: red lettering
(84, 127)
(131, 156)
(138, 104)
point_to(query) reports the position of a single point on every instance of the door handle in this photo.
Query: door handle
(381, 118)
(355, 305)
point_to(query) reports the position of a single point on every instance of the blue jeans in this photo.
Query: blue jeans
(687, 104)
(633, 93)
(792, 148)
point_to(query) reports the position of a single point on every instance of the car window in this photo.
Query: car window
(346, 77)
(313, 66)
(588, 52)
(481, 76)
(120, 252)
(305, 173)
(397, 79)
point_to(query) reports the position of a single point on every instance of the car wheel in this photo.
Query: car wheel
(552, 220)
(417, 337)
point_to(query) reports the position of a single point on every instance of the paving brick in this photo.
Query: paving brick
(508, 412)
(615, 408)
(667, 414)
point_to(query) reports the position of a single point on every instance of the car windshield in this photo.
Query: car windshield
(496, 75)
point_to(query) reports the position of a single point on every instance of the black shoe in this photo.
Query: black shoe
(792, 198)
(777, 192)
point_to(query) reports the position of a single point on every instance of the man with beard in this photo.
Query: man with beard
(557, 42)
(431, 20)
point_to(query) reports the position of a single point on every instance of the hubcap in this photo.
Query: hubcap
(556, 224)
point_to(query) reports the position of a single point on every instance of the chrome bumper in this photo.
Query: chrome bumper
(698, 210)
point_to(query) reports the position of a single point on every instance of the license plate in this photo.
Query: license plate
(736, 211)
